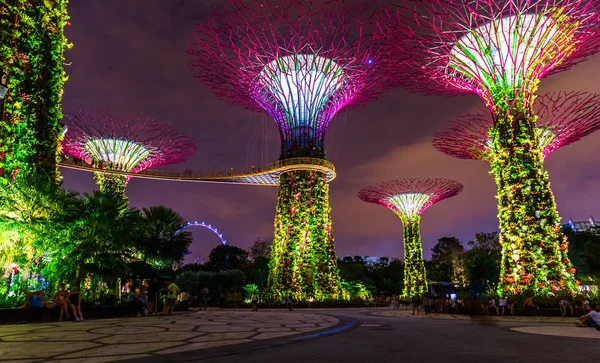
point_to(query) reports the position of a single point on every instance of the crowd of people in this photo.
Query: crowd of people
(146, 297)
(63, 299)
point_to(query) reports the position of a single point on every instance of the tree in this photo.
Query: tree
(482, 261)
(95, 243)
(584, 252)
(226, 257)
(448, 254)
(32, 211)
(260, 248)
(486, 242)
(159, 238)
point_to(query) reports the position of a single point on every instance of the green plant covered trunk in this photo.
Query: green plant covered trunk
(32, 43)
(303, 261)
(534, 249)
(415, 278)
(112, 184)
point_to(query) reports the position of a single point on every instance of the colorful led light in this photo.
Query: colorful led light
(301, 62)
(124, 143)
(409, 199)
(204, 225)
(562, 118)
(500, 50)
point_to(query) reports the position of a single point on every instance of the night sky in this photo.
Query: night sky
(129, 57)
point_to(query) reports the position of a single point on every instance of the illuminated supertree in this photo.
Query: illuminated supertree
(562, 119)
(409, 198)
(123, 143)
(500, 50)
(301, 62)
(32, 78)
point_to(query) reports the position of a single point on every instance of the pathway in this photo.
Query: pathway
(127, 338)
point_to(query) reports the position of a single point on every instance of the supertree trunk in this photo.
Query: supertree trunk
(112, 184)
(32, 43)
(303, 260)
(534, 249)
(415, 278)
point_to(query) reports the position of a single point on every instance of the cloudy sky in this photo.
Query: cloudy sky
(129, 57)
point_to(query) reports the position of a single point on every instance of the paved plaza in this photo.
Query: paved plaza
(328, 335)
(128, 338)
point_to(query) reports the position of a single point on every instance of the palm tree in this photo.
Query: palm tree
(158, 236)
(31, 209)
(97, 241)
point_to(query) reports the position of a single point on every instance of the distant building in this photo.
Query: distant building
(582, 226)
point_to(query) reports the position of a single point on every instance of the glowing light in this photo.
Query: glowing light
(409, 198)
(411, 204)
(302, 85)
(203, 225)
(503, 52)
(120, 154)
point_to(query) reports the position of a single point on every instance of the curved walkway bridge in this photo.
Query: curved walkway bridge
(268, 175)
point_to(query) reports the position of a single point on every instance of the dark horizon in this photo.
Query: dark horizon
(130, 58)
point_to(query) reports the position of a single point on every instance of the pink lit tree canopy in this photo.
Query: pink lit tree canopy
(496, 49)
(125, 143)
(301, 61)
(500, 50)
(409, 198)
(562, 118)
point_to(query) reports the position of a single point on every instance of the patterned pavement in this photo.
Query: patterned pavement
(560, 331)
(128, 338)
(407, 313)
(556, 326)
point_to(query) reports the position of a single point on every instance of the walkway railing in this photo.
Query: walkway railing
(267, 175)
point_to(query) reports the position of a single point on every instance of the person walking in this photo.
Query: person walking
(171, 298)
(416, 301)
(204, 296)
(503, 303)
(290, 303)
(153, 289)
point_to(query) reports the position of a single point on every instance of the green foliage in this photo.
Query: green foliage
(584, 251)
(195, 281)
(261, 248)
(448, 254)
(251, 290)
(157, 236)
(258, 273)
(112, 184)
(482, 261)
(381, 278)
(415, 278)
(62, 237)
(227, 257)
(96, 243)
(534, 249)
(303, 260)
(32, 44)
(355, 290)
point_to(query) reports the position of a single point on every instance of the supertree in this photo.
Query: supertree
(300, 61)
(500, 50)
(124, 143)
(32, 78)
(562, 119)
(409, 198)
